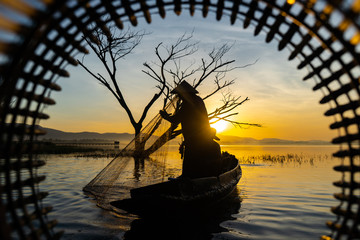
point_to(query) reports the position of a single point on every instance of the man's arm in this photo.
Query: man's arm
(171, 118)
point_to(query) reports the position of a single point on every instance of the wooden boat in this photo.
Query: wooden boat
(185, 192)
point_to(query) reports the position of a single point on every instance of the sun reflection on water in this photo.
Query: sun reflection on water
(278, 198)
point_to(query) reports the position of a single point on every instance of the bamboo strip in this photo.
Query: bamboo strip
(16, 148)
(250, 14)
(298, 48)
(25, 183)
(20, 6)
(309, 58)
(129, 12)
(60, 51)
(286, 39)
(70, 38)
(49, 65)
(33, 216)
(337, 227)
(160, 4)
(262, 21)
(326, 65)
(10, 26)
(335, 94)
(79, 24)
(177, 7)
(219, 10)
(6, 47)
(30, 96)
(38, 80)
(29, 164)
(347, 198)
(235, 10)
(294, 27)
(22, 129)
(343, 168)
(353, 105)
(39, 232)
(114, 16)
(345, 213)
(145, 10)
(346, 139)
(205, 9)
(29, 199)
(280, 19)
(347, 153)
(345, 122)
(97, 18)
(29, 113)
(192, 7)
(326, 81)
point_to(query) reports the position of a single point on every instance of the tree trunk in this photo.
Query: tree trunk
(139, 143)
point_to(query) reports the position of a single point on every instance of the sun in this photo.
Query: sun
(220, 126)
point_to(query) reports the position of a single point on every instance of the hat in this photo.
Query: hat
(184, 87)
(213, 133)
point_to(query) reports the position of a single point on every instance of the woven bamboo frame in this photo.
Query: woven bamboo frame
(37, 54)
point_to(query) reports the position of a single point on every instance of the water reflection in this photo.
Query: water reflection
(183, 223)
(160, 222)
(277, 200)
(139, 166)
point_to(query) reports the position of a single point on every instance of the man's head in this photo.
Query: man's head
(184, 89)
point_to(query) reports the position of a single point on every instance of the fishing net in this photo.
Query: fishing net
(140, 163)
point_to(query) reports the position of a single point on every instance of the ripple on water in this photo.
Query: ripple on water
(278, 201)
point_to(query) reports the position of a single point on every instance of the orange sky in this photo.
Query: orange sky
(279, 99)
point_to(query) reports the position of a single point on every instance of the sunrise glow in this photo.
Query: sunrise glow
(220, 125)
(279, 100)
(290, 2)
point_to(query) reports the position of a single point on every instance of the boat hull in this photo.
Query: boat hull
(187, 192)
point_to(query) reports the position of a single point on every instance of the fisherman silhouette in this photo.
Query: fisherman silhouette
(202, 155)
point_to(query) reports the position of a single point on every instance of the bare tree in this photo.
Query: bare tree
(226, 110)
(170, 69)
(172, 56)
(110, 46)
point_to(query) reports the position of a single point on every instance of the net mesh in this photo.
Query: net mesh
(127, 170)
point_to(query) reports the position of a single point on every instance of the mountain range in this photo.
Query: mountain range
(57, 135)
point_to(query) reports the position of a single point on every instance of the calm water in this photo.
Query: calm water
(274, 200)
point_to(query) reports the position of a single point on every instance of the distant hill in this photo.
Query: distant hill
(53, 135)
(57, 135)
(225, 139)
